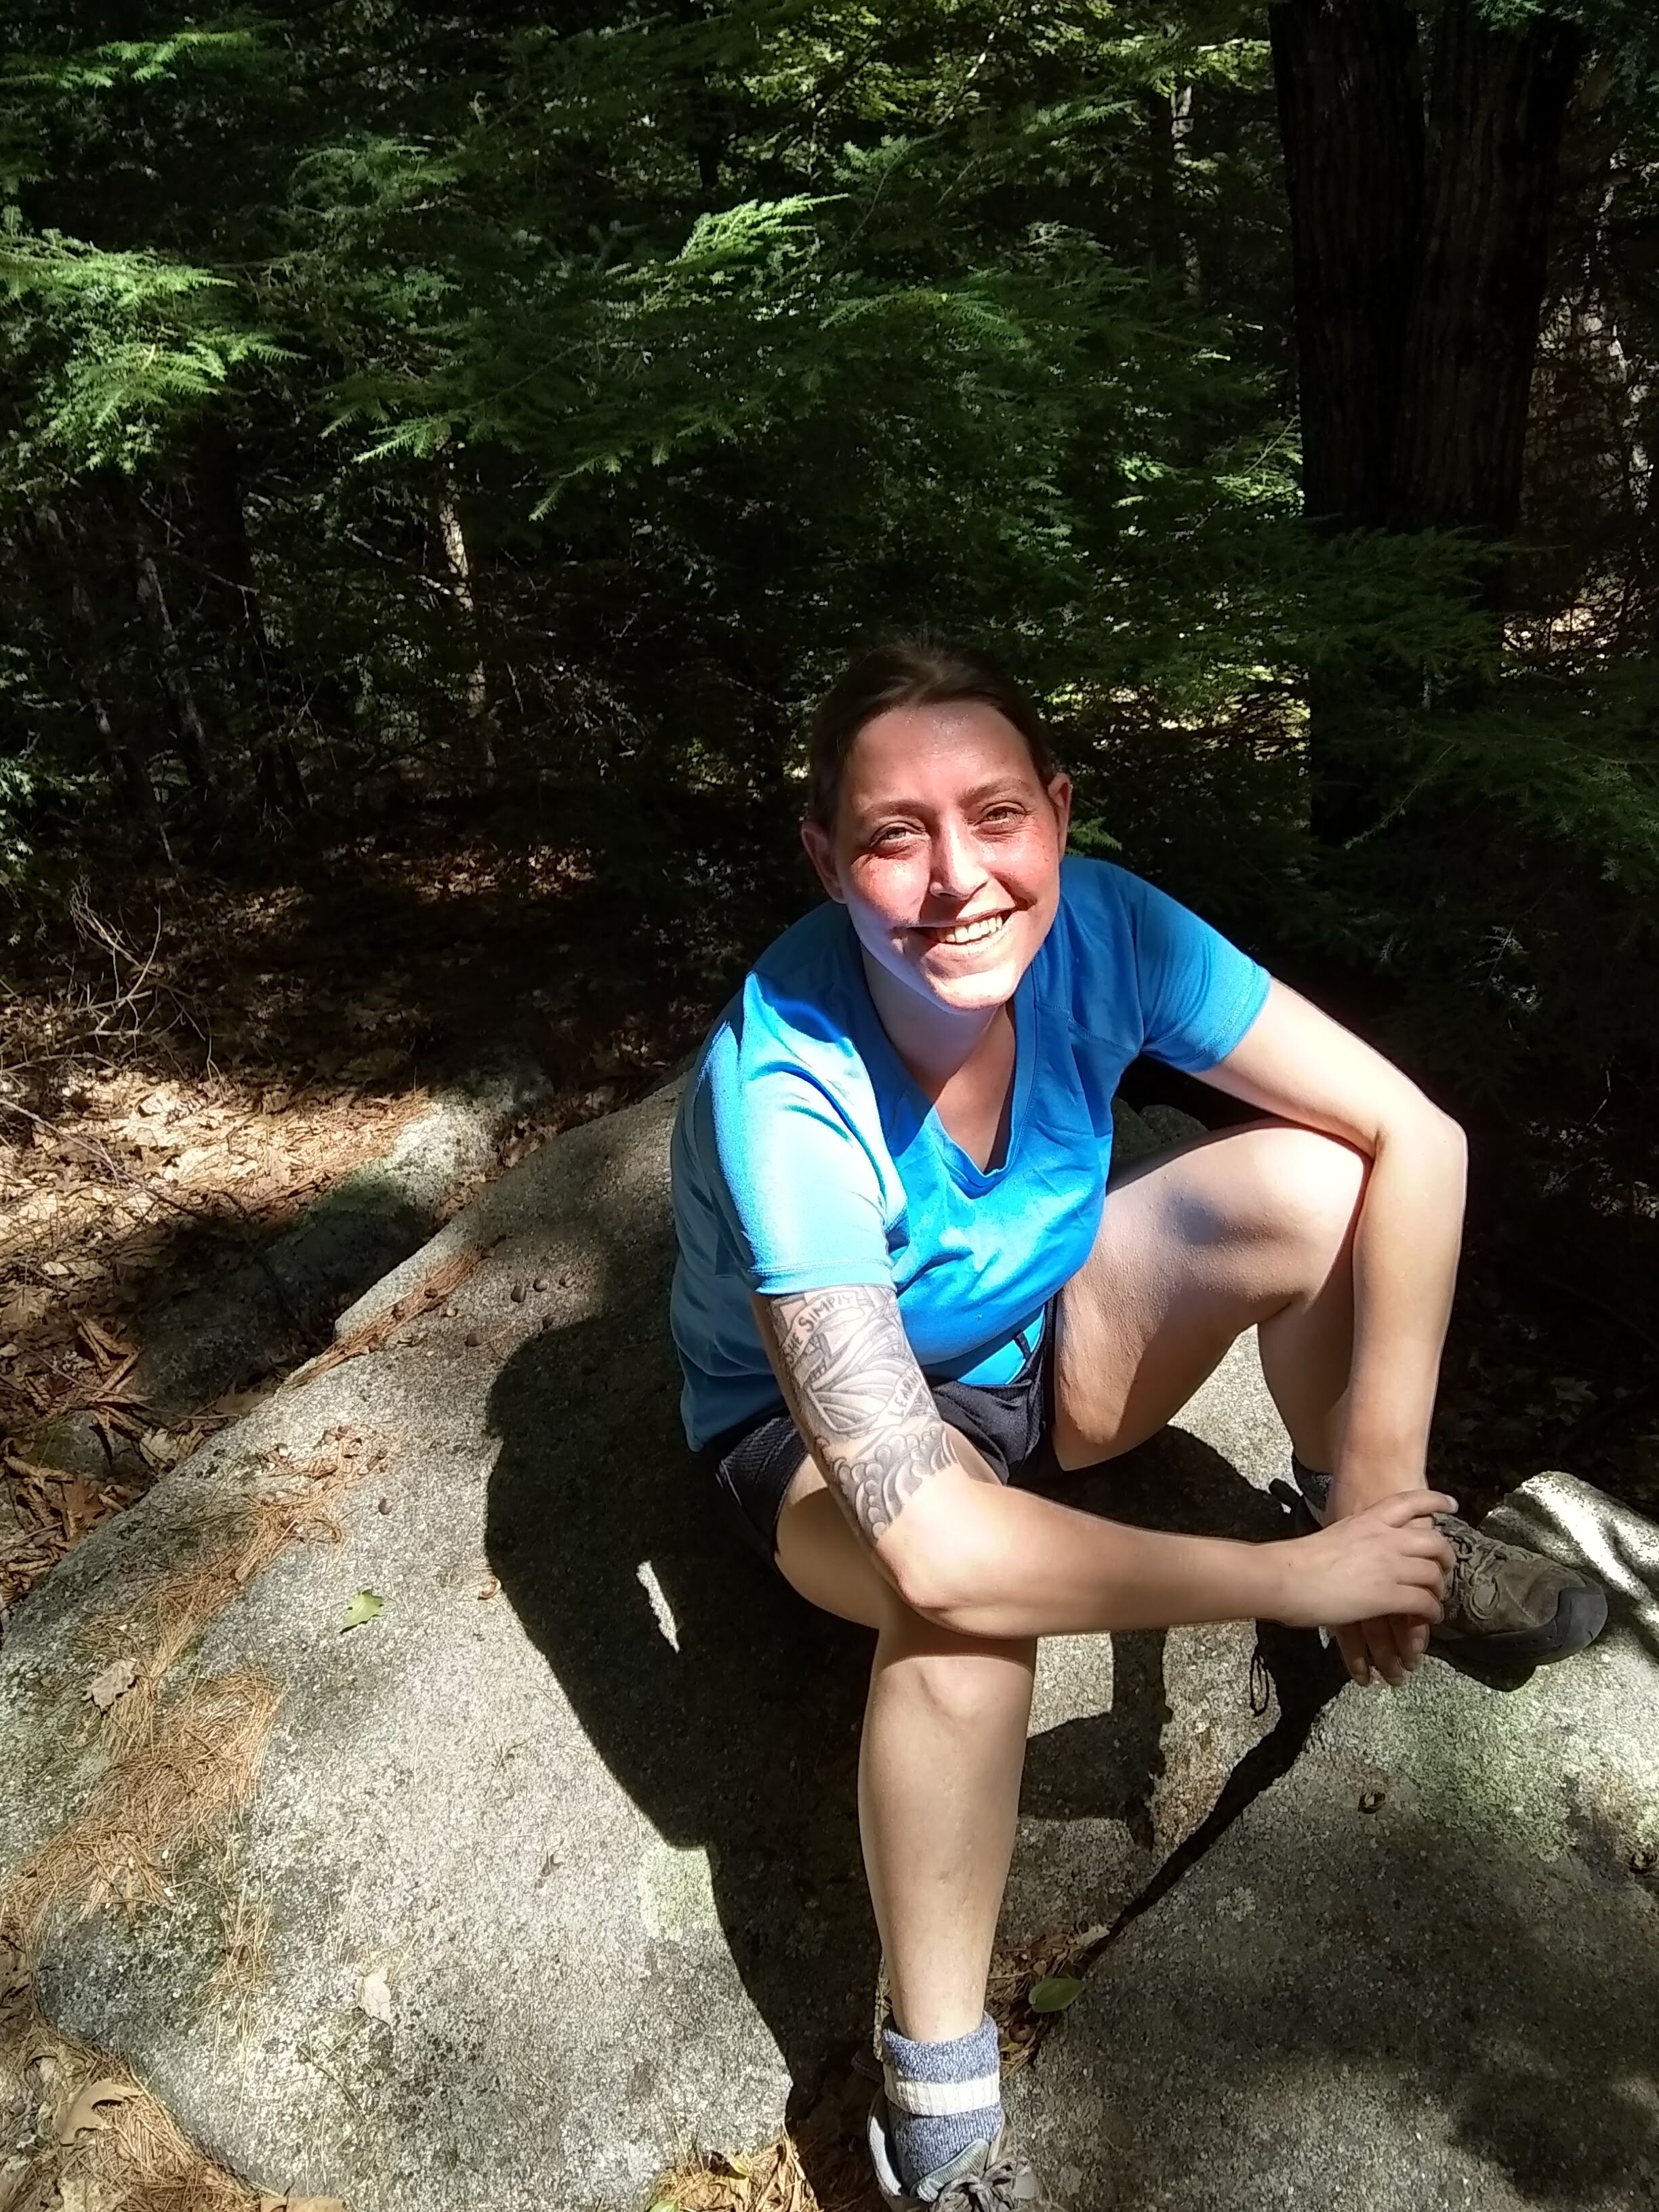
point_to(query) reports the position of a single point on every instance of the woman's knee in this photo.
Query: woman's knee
(965, 1682)
(1305, 1193)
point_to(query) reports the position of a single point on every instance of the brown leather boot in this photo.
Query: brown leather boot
(1506, 1608)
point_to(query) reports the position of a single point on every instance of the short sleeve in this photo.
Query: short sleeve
(796, 1190)
(1198, 992)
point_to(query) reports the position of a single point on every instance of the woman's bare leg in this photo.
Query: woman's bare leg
(939, 1765)
(1252, 1227)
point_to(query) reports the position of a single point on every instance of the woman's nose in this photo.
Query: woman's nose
(956, 871)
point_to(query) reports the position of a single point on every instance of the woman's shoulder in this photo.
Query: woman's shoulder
(1092, 886)
(792, 1008)
(1094, 919)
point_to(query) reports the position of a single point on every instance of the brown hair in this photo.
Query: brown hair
(910, 672)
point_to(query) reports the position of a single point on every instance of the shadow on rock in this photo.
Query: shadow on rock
(727, 1709)
(1373, 2012)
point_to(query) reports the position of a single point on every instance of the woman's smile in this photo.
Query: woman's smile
(978, 931)
(945, 852)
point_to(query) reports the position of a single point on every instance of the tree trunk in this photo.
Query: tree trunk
(1419, 263)
(175, 677)
(1168, 140)
(480, 718)
(1497, 107)
(128, 769)
(1351, 120)
(218, 489)
(1419, 259)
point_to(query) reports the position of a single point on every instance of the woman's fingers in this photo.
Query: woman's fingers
(1416, 1604)
(1405, 1506)
(1383, 1652)
(1355, 1657)
(1413, 1638)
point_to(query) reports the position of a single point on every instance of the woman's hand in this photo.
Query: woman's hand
(1388, 1560)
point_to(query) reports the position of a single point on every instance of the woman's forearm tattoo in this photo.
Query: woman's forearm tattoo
(858, 1397)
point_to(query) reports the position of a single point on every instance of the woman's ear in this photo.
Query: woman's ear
(1059, 797)
(821, 851)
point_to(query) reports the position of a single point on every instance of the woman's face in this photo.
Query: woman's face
(945, 850)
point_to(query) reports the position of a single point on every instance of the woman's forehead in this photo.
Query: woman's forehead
(959, 743)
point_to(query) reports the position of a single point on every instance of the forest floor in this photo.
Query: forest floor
(185, 1062)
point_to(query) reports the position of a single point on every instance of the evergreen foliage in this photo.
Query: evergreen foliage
(487, 404)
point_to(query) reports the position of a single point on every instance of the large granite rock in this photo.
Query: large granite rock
(1422, 1970)
(560, 1852)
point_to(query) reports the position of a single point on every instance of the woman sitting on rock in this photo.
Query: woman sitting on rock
(902, 1272)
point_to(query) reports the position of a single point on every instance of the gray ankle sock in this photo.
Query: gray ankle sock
(941, 2097)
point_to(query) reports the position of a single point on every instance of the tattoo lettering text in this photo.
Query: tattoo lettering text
(858, 1397)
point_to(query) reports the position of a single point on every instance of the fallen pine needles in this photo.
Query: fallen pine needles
(98, 2140)
(232, 1547)
(445, 1279)
(199, 1766)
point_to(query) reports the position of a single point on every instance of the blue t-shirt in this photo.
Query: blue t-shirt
(805, 1155)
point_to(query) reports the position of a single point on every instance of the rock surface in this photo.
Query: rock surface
(1422, 1970)
(560, 1851)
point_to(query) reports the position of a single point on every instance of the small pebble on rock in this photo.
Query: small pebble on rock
(474, 1338)
(517, 1294)
(540, 1283)
(384, 1505)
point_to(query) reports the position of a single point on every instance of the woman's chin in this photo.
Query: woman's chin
(972, 991)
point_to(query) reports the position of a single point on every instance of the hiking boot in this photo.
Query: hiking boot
(1506, 1608)
(984, 2177)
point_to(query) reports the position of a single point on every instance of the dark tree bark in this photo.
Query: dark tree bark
(217, 483)
(1351, 121)
(1498, 108)
(1418, 256)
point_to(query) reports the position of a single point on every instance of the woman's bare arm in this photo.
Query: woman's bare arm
(1296, 1061)
(851, 1381)
(988, 1561)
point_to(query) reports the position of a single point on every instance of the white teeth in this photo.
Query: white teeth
(970, 933)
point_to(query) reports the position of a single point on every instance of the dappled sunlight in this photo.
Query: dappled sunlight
(181, 1081)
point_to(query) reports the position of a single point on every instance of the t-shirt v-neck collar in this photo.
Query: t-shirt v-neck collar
(897, 1080)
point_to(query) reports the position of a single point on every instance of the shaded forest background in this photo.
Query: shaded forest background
(445, 450)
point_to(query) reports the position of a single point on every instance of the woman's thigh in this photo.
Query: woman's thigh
(1194, 1247)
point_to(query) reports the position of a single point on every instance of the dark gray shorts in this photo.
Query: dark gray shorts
(754, 1464)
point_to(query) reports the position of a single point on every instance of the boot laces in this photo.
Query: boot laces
(1474, 1586)
(990, 2192)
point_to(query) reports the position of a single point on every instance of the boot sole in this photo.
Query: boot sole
(1578, 1619)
